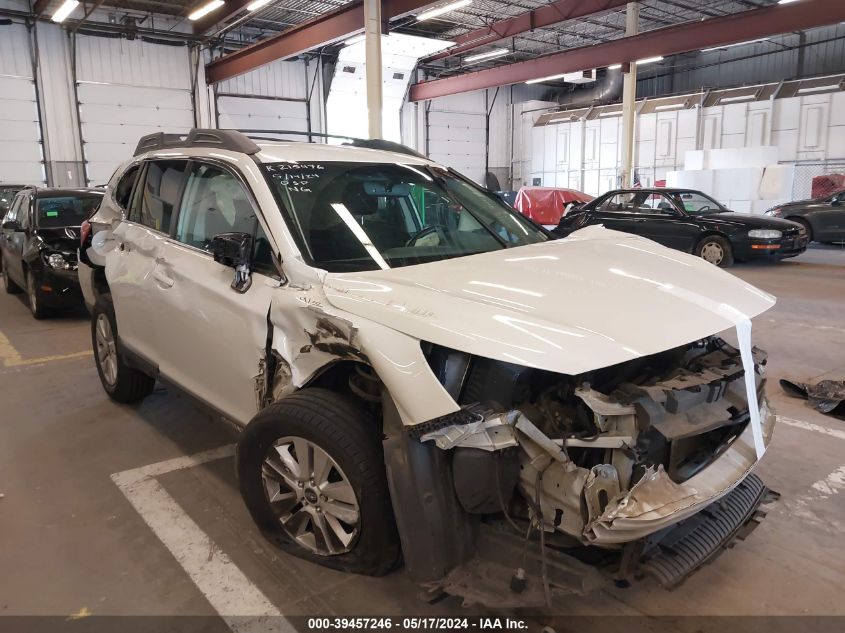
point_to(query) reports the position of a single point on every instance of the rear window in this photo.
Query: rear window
(65, 210)
(7, 194)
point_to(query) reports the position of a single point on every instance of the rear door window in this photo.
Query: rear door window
(123, 190)
(157, 197)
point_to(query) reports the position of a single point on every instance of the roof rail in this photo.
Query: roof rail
(220, 139)
(376, 143)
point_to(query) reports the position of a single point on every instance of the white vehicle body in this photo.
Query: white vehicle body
(596, 299)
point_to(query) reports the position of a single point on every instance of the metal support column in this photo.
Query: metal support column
(372, 32)
(629, 101)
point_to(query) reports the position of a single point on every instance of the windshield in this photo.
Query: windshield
(7, 195)
(696, 203)
(65, 210)
(362, 216)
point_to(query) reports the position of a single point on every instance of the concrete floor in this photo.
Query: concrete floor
(71, 542)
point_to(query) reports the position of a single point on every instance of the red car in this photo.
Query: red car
(547, 205)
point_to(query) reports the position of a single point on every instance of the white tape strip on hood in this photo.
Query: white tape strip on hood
(743, 334)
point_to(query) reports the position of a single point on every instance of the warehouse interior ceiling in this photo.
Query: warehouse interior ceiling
(233, 27)
(603, 26)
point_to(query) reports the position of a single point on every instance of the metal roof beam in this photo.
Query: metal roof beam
(690, 36)
(324, 29)
(538, 18)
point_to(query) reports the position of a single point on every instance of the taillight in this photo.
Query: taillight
(84, 233)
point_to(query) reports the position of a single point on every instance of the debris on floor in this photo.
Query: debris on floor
(826, 396)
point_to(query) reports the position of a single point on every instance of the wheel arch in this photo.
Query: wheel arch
(800, 219)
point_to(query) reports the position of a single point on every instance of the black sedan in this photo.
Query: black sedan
(38, 242)
(690, 221)
(824, 218)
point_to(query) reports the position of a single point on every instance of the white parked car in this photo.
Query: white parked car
(420, 370)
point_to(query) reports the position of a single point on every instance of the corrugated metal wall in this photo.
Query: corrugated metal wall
(132, 63)
(21, 152)
(284, 79)
(761, 62)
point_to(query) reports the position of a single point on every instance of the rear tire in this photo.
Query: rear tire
(9, 286)
(121, 382)
(716, 250)
(342, 518)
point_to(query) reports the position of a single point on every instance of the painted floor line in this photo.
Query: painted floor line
(809, 426)
(239, 602)
(12, 357)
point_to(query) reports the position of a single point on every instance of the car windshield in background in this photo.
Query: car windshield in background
(362, 216)
(6, 197)
(695, 203)
(65, 210)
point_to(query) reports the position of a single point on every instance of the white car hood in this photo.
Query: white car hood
(595, 299)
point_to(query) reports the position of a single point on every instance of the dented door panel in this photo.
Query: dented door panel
(196, 300)
(130, 266)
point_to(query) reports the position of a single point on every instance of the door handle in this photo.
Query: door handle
(163, 280)
(161, 277)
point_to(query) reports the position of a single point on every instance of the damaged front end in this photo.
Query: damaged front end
(611, 468)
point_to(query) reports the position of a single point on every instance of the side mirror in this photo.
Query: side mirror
(234, 250)
(12, 225)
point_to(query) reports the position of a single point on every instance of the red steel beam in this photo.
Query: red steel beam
(548, 15)
(691, 36)
(227, 11)
(324, 29)
(40, 7)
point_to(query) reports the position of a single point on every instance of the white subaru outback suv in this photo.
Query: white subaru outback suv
(421, 371)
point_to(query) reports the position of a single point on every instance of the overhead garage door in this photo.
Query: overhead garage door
(457, 140)
(21, 152)
(144, 88)
(262, 113)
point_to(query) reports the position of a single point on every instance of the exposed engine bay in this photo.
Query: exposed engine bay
(606, 458)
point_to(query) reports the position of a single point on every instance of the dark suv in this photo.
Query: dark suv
(40, 234)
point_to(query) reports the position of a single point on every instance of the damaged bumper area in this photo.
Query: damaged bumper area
(621, 458)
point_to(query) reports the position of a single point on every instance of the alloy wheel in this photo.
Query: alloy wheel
(311, 496)
(106, 350)
(713, 252)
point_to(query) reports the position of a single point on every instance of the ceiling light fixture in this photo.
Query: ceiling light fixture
(787, 1)
(65, 10)
(255, 6)
(497, 52)
(205, 9)
(803, 91)
(614, 67)
(739, 98)
(719, 48)
(649, 60)
(670, 106)
(549, 78)
(446, 8)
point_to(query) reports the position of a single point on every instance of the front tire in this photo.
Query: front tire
(33, 299)
(312, 475)
(716, 250)
(121, 382)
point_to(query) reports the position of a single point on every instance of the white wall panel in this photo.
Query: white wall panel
(127, 89)
(21, 152)
(284, 79)
(245, 113)
(132, 62)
